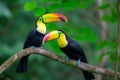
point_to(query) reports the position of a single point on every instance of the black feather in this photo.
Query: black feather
(74, 51)
(34, 38)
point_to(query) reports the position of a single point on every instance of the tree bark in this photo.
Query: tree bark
(83, 66)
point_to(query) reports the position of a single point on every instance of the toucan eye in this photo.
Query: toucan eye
(41, 19)
(59, 33)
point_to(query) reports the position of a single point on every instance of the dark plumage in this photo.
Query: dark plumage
(74, 51)
(34, 38)
(70, 47)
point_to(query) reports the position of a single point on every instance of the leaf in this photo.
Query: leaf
(109, 17)
(53, 7)
(112, 58)
(39, 11)
(114, 14)
(106, 17)
(85, 4)
(104, 6)
(30, 5)
(69, 5)
(108, 44)
(86, 34)
(102, 45)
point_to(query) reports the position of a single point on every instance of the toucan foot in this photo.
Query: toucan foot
(32, 47)
(67, 58)
(78, 62)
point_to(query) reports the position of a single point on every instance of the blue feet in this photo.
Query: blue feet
(67, 59)
(32, 47)
(78, 62)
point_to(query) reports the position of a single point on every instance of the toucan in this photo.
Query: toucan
(35, 36)
(70, 47)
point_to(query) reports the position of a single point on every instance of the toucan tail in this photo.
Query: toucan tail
(22, 66)
(88, 75)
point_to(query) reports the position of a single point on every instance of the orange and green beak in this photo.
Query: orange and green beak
(50, 36)
(53, 17)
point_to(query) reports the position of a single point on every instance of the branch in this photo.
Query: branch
(83, 66)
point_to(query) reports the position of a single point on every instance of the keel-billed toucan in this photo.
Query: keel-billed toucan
(70, 47)
(34, 38)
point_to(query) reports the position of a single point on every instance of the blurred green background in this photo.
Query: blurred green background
(17, 18)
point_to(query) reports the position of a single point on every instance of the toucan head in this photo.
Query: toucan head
(51, 35)
(60, 35)
(52, 17)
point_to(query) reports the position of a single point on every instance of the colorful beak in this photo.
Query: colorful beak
(54, 17)
(50, 36)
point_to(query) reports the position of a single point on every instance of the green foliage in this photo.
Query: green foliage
(104, 6)
(84, 4)
(110, 47)
(38, 11)
(69, 6)
(104, 44)
(17, 18)
(53, 7)
(30, 5)
(86, 34)
(109, 18)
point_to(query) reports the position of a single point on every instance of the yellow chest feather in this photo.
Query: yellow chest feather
(41, 27)
(62, 42)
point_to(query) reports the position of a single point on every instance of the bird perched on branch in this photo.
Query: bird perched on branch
(70, 47)
(34, 37)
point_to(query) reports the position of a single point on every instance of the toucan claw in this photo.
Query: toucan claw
(67, 58)
(78, 62)
(32, 47)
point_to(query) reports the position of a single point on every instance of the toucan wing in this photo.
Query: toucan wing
(29, 38)
(78, 50)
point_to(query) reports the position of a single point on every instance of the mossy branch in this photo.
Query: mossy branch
(83, 66)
